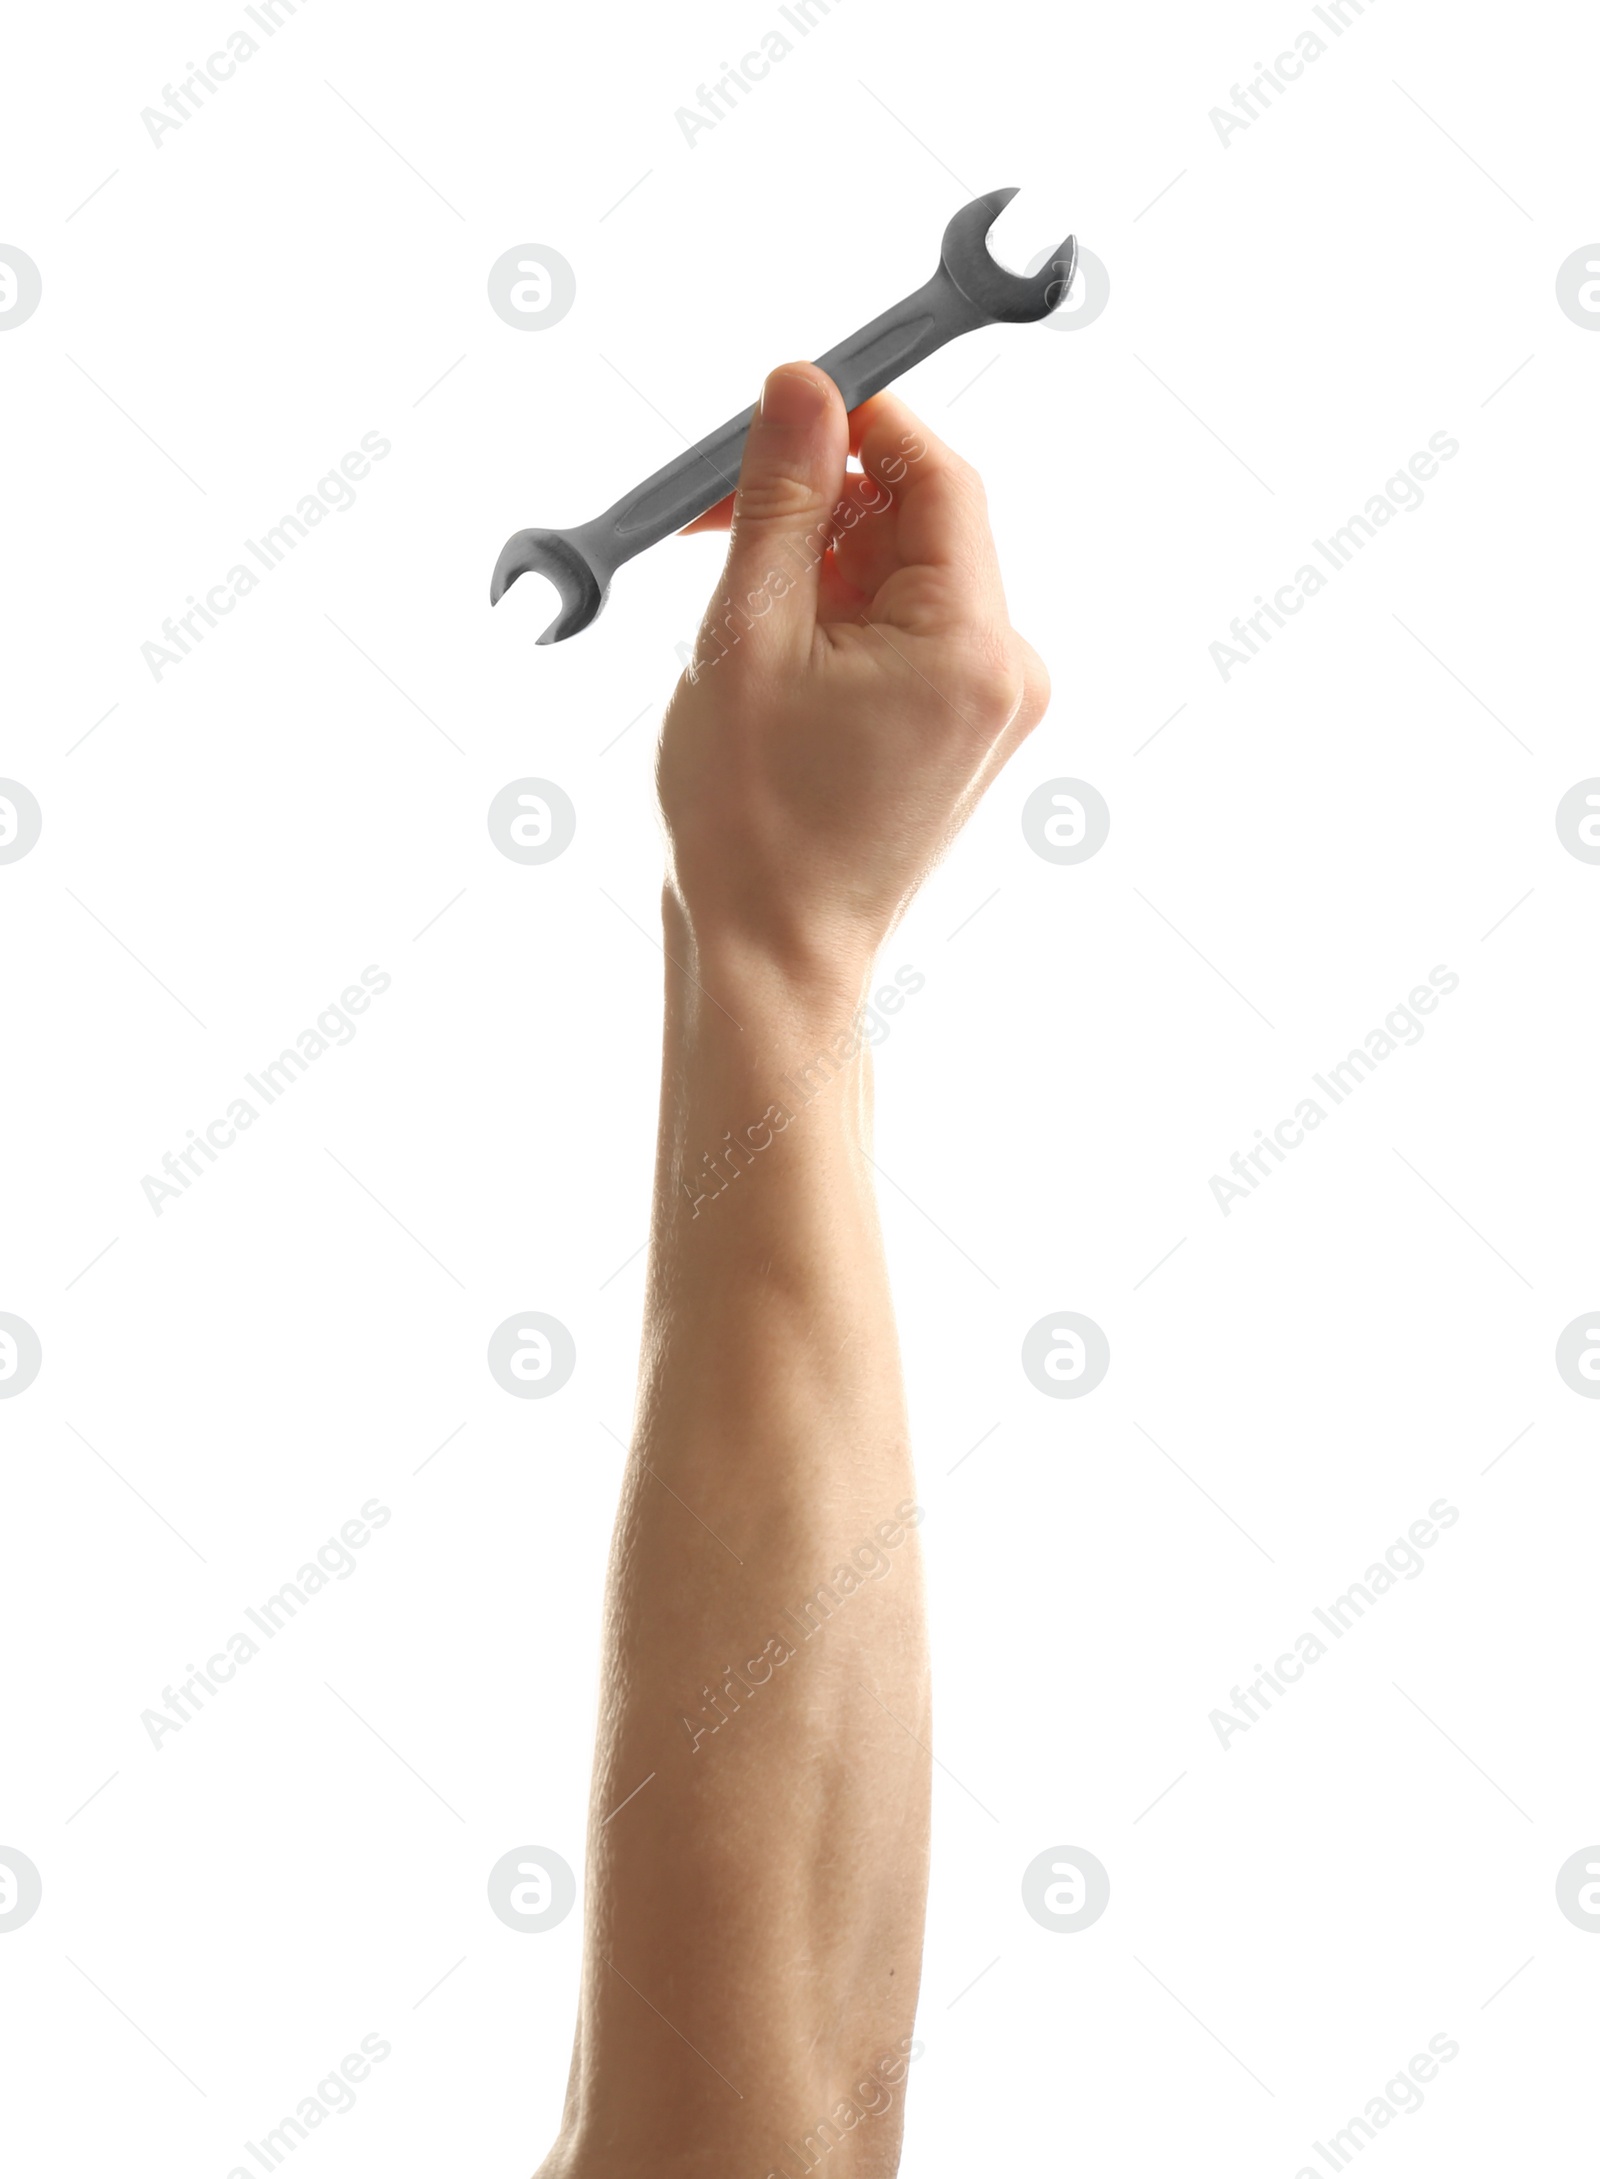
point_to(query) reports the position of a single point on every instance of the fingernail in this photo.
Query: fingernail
(792, 397)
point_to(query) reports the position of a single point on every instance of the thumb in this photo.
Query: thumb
(790, 481)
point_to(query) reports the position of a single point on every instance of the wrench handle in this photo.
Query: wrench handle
(702, 474)
(906, 334)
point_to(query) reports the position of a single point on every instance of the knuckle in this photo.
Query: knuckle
(994, 683)
(1036, 685)
(971, 482)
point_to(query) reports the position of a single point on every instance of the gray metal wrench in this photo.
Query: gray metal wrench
(968, 290)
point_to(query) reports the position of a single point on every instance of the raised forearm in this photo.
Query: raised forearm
(765, 1662)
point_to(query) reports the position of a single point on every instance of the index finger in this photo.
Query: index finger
(941, 516)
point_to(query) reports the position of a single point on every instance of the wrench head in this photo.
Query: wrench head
(557, 556)
(1013, 298)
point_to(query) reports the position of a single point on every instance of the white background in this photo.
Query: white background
(1289, 855)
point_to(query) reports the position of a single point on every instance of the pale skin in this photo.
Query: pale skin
(754, 1913)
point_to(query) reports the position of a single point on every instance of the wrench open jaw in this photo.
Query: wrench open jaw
(970, 288)
(582, 581)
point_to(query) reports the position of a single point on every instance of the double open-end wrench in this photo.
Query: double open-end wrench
(968, 290)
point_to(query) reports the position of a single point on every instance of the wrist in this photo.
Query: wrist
(810, 987)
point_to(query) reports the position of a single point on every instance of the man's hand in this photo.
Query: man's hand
(857, 684)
